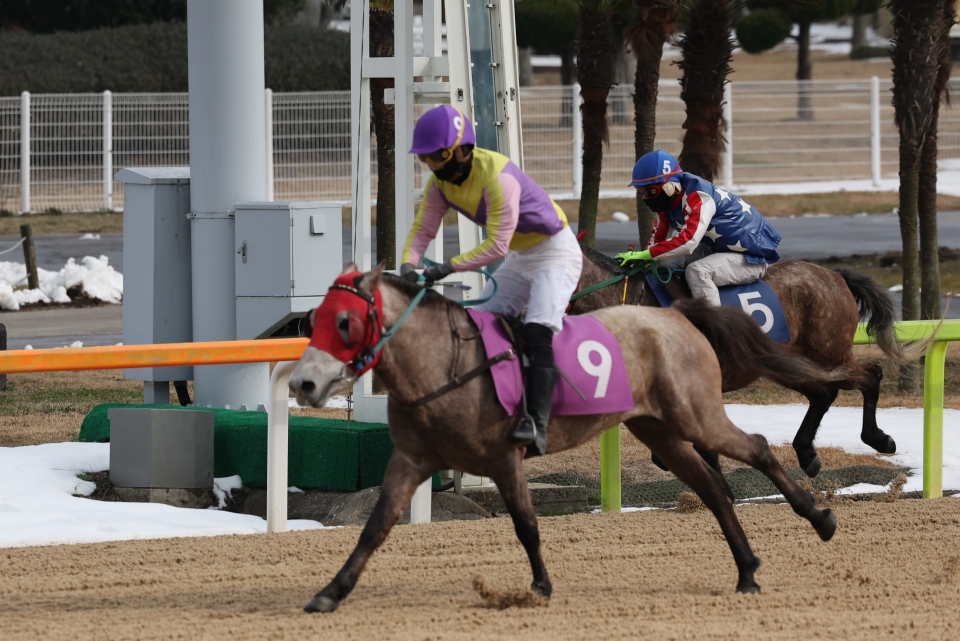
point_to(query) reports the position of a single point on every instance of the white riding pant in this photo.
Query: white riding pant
(541, 278)
(706, 271)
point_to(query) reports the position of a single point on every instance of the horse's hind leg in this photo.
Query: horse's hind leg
(820, 399)
(871, 434)
(710, 486)
(753, 450)
(400, 481)
(512, 485)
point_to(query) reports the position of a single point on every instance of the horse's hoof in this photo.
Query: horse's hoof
(542, 588)
(321, 604)
(881, 443)
(813, 467)
(828, 527)
(750, 587)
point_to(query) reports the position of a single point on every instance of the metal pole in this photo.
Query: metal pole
(25, 152)
(268, 113)
(728, 151)
(933, 378)
(30, 257)
(610, 500)
(577, 141)
(228, 165)
(875, 130)
(278, 447)
(107, 150)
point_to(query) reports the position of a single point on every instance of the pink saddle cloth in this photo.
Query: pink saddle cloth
(584, 350)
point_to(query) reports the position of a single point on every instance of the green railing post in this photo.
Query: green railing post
(610, 470)
(933, 377)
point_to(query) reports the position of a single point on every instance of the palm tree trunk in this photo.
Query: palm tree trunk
(707, 49)
(909, 187)
(927, 215)
(595, 62)
(381, 46)
(804, 101)
(655, 21)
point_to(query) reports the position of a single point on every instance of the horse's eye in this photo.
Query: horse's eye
(343, 326)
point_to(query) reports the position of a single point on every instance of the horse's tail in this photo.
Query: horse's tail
(740, 344)
(878, 309)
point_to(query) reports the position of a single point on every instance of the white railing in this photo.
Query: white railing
(60, 151)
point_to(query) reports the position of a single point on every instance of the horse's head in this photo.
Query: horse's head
(343, 332)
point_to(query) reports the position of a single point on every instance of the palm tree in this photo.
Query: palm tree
(915, 71)
(655, 21)
(927, 187)
(595, 59)
(381, 46)
(707, 47)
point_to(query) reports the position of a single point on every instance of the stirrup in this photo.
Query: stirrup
(526, 430)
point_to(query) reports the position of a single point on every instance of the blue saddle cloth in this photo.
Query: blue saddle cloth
(756, 299)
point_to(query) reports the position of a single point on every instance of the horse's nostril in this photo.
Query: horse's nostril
(307, 386)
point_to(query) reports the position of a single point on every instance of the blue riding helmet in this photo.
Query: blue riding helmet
(654, 168)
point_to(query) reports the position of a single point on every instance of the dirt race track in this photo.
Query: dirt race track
(891, 572)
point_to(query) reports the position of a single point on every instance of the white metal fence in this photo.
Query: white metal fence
(54, 154)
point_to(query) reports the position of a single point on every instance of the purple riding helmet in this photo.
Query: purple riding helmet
(440, 131)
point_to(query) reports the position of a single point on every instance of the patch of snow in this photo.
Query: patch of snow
(224, 487)
(96, 278)
(76, 344)
(621, 217)
(624, 510)
(90, 237)
(28, 347)
(896, 288)
(816, 216)
(294, 490)
(37, 488)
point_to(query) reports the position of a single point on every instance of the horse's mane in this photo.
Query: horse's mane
(408, 289)
(601, 259)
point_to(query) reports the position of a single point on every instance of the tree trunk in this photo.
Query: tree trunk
(804, 101)
(707, 48)
(595, 62)
(909, 185)
(654, 22)
(860, 22)
(927, 215)
(381, 46)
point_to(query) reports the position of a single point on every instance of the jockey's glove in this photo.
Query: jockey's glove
(408, 271)
(633, 257)
(437, 272)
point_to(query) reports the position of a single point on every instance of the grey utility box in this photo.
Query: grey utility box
(161, 448)
(157, 304)
(287, 255)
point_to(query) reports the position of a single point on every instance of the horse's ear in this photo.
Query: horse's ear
(306, 326)
(371, 280)
(350, 268)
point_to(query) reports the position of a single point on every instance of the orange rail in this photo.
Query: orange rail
(169, 354)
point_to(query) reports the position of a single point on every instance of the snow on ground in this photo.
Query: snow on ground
(94, 276)
(37, 483)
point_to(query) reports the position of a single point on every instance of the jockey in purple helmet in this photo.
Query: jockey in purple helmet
(542, 262)
(718, 237)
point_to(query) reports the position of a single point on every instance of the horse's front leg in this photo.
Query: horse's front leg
(515, 493)
(400, 481)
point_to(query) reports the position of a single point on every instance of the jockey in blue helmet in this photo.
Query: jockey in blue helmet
(718, 237)
(525, 227)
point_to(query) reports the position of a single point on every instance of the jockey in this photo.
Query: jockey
(719, 238)
(542, 262)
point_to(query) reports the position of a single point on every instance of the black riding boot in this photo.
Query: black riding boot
(541, 379)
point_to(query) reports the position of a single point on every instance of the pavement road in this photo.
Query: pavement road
(804, 237)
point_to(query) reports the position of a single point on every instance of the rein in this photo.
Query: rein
(636, 269)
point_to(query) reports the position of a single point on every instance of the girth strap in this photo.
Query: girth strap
(458, 381)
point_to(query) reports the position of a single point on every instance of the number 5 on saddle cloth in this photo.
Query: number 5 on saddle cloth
(757, 299)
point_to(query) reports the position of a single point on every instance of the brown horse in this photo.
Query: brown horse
(822, 309)
(673, 375)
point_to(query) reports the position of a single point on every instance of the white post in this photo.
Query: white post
(728, 152)
(875, 130)
(25, 152)
(268, 109)
(107, 150)
(420, 505)
(277, 447)
(577, 141)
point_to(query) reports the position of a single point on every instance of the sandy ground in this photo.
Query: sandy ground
(893, 569)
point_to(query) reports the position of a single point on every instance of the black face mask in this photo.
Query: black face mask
(454, 167)
(660, 202)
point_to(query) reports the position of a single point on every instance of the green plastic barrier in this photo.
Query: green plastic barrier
(933, 379)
